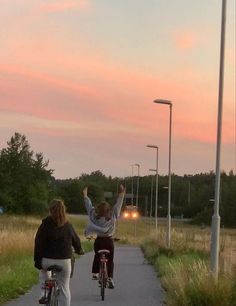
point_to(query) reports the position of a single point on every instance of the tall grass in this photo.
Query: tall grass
(184, 269)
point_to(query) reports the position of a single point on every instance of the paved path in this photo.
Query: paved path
(136, 283)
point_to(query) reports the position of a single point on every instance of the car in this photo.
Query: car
(130, 212)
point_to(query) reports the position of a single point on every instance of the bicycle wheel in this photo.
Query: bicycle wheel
(103, 281)
(54, 297)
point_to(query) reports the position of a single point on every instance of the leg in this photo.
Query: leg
(110, 264)
(63, 279)
(96, 260)
(43, 276)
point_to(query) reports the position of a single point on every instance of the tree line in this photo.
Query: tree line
(27, 185)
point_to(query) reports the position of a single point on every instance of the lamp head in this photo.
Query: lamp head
(162, 101)
(152, 146)
(153, 170)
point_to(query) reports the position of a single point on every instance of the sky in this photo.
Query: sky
(78, 79)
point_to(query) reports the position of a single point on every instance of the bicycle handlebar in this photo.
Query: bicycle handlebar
(89, 238)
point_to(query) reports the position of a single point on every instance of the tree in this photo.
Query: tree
(23, 177)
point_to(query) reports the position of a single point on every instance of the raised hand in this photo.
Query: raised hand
(85, 192)
(121, 189)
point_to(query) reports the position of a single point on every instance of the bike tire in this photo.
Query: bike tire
(49, 297)
(103, 280)
(54, 297)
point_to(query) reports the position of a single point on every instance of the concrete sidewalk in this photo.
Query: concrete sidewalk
(136, 283)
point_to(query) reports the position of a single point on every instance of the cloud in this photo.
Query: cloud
(99, 105)
(60, 85)
(186, 39)
(61, 6)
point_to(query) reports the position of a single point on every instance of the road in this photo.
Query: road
(136, 283)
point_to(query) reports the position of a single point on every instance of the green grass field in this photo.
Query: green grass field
(184, 268)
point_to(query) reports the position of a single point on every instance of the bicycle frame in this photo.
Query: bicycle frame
(103, 275)
(51, 287)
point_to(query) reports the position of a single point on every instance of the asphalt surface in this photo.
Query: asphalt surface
(136, 283)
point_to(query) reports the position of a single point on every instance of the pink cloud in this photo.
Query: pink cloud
(185, 39)
(110, 93)
(46, 78)
(230, 56)
(41, 95)
(59, 6)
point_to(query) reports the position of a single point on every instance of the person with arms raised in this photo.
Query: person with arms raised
(102, 222)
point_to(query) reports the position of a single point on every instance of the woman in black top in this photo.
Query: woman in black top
(53, 245)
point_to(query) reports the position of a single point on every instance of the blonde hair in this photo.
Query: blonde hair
(58, 212)
(103, 209)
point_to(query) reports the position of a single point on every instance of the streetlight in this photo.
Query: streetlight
(135, 225)
(215, 233)
(154, 170)
(137, 184)
(167, 102)
(155, 147)
(189, 189)
(132, 185)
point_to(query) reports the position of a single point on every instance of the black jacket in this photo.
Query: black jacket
(55, 242)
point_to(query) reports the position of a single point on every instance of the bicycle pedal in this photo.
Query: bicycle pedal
(43, 300)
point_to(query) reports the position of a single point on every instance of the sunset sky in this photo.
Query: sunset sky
(78, 78)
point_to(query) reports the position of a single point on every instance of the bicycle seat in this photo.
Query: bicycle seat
(55, 268)
(104, 251)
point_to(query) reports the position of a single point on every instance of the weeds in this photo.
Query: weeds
(184, 269)
(187, 279)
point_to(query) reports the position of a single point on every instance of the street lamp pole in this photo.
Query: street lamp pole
(155, 147)
(189, 189)
(132, 185)
(154, 170)
(215, 234)
(168, 238)
(137, 184)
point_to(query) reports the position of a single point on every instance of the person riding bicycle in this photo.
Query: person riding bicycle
(102, 221)
(53, 246)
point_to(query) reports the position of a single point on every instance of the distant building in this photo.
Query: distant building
(108, 195)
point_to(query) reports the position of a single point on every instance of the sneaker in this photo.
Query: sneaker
(110, 283)
(43, 300)
(95, 276)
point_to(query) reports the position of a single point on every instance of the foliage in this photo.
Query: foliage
(27, 185)
(24, 178)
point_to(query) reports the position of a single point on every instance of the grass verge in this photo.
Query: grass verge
(186, 277)
(17, 276)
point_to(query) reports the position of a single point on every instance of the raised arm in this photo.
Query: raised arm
(117, 207)
(87, 201)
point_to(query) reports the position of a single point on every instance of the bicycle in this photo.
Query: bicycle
(103, 275)
(51, 289)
